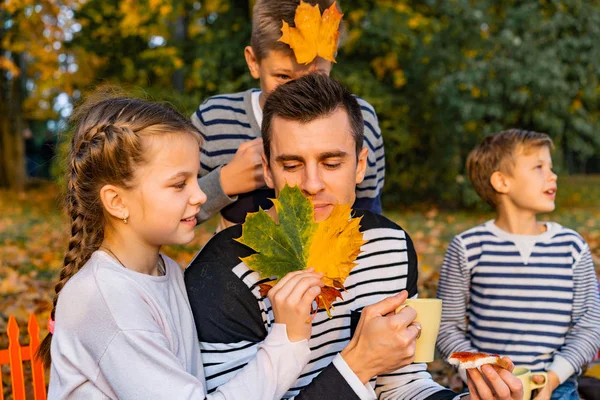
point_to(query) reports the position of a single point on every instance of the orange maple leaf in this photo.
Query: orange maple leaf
(313, 35)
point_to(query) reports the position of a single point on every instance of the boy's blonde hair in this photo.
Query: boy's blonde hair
(496, 153)
(267, 22)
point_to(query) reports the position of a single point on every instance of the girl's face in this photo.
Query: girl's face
(163, 204)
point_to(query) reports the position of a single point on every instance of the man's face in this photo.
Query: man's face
(279, 67)
(319, 157)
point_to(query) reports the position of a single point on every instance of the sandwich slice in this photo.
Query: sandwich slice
(467, 360)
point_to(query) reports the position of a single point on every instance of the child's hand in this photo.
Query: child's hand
(545, 393)
(245, 172)
(292, 299)
(494, 382)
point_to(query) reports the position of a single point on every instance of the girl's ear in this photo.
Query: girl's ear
(252, 61)
(500, 182)
(112, 200)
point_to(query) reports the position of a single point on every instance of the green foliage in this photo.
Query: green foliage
(440, 74)
(443, 74)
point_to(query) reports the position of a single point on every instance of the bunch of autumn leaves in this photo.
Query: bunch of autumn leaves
(295, 242)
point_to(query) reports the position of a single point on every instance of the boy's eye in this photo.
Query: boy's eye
(283, 77)
(179, 185)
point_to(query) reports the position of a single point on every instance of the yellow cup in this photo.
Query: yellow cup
(529, 385)
(429, 315)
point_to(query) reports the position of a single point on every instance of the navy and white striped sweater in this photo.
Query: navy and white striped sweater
(540, 309)
(232, 318)
(227, 121)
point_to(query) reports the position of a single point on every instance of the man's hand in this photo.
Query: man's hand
(494, 383)
(292, 299)
(545, 393)
(245, 172)
(383, 341)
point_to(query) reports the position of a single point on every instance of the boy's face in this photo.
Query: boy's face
(319, 157)
(531, 184)
(279, 67)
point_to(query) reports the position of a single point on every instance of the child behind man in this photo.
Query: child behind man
(231, 170)
(516, 286)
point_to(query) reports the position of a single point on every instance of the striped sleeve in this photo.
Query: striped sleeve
(583, 339)
(453, 289)
(368, 192)
(210, 177)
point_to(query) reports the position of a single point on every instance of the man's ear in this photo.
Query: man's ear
(267, 172)
(112, 200)
(500, 182)
(252, 61)
(361, 165)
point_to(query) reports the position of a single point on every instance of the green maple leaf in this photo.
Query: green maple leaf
(284, 247)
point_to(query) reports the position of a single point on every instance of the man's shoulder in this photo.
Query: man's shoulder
(220, 300)
(221, 253)
(370, 221)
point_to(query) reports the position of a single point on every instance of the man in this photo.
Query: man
(313, 138)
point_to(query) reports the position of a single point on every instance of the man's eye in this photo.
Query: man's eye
(332, 165)
(291, 167)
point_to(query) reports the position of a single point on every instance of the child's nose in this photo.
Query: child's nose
(198, 197)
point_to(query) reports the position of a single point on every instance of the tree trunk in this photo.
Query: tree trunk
(12, 156)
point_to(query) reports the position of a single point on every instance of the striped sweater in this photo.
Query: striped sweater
(232, 318)
(227, 121)
(536, 304)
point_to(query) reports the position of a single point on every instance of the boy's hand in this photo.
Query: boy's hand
(545, 393)
(245, 172)
(494, 383)
(292, 299)
(383, 341)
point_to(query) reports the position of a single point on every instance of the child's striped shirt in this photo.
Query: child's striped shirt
(532, 298)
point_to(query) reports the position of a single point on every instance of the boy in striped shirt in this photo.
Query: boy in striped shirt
(514, 285)
(231, 169)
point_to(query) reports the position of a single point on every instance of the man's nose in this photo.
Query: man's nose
(312, 182)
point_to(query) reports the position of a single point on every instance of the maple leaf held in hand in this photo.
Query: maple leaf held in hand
(298, 242)
(313, 35)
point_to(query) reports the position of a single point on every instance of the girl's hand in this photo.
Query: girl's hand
(292, 299)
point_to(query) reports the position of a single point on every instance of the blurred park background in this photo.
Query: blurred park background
(441, 75)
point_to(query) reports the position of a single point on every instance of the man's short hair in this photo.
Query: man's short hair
(267, 22)
(496, 153)
(308, 98)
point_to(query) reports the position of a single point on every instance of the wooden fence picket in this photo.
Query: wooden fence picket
(16, 354)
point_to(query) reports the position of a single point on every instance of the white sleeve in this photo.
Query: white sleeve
(139, 364)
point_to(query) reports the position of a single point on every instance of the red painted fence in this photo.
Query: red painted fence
(16, 354)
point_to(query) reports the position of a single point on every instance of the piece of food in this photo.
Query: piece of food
(467, 360)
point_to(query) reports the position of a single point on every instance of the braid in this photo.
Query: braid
(85, 239)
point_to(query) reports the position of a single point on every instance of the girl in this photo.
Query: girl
(122, 326)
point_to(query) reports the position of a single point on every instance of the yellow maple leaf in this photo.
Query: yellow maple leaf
(335, 246)
(313, 35)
